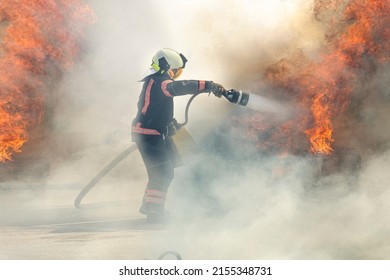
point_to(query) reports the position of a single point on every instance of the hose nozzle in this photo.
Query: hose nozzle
(237, 97)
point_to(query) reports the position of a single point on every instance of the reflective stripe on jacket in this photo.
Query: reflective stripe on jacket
(155, 104)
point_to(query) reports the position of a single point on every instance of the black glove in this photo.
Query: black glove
(215, 88)
(173, 127)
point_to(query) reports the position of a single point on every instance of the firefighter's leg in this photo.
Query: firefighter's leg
(156, 191)
(160, 174)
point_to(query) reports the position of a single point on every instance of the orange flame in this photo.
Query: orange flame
(357, 34)
(331, 83)
(37, 35)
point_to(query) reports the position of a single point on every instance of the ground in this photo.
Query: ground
(51, 228)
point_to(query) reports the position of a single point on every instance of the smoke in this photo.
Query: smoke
(230, 201)
(282, 216)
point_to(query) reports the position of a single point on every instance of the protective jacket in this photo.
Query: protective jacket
(155, 105)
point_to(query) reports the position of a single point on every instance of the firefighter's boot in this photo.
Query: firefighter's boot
(153, 206)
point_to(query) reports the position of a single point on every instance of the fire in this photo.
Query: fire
(36, 36)
(358, 35)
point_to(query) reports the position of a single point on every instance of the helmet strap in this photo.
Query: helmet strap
(163, 65)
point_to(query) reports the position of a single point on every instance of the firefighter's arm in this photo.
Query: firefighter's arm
(177, 88)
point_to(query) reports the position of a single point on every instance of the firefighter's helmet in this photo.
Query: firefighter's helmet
(170, 61)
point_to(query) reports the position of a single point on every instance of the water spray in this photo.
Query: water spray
(260, 103)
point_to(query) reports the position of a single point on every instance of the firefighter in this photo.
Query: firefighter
(154, 123)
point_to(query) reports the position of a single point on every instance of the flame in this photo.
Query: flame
(362, 39)
(37, 35)
(358, 35)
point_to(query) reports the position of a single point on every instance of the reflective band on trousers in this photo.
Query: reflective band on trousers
(158, 193)
(156, 200)
(155, 196)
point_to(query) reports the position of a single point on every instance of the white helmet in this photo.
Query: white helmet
(168, 59)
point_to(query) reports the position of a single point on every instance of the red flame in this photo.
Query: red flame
(358, 31)
(35, 36)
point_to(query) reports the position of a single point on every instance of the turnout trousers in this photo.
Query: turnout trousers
(158, 163)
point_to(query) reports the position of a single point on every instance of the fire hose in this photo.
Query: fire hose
(234, 96)
(168, 253)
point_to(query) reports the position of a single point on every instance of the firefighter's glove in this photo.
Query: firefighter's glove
(215, 88)
(172, 128)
